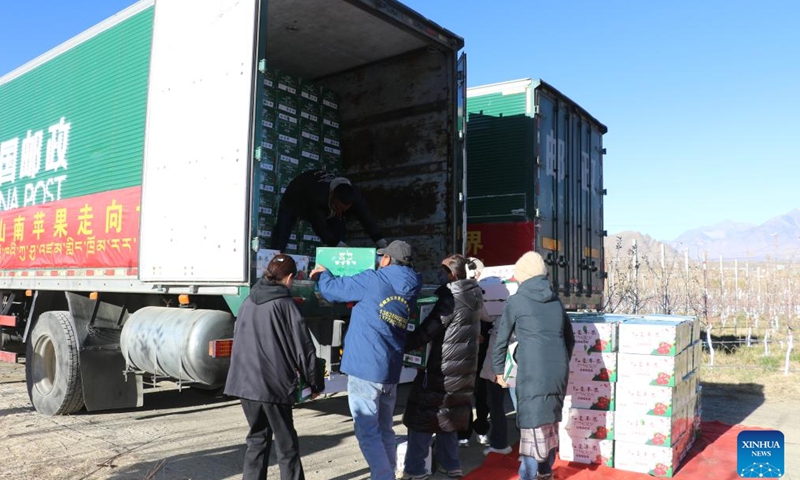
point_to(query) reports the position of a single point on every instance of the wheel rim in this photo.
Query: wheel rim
(44, 366)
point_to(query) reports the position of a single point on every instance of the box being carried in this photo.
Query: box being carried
(346, 262)
(418, 358)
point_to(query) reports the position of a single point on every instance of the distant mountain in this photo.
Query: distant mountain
(778, 237)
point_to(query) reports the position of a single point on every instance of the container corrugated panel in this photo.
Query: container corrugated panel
(497, 104)
(72, 129)
(557, 168)
(101, 94)
(499, 168)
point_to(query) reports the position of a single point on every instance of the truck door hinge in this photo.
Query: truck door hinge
(257, 154)
(262, 65)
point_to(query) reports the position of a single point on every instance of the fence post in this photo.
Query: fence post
(766, 343)
(789, 346)
(710, 346)
(749, 334)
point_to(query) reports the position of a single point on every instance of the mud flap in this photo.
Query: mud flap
(109, 387)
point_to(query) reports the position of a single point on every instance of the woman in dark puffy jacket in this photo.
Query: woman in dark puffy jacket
(440, 400)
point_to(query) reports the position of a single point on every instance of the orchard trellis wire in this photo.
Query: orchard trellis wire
(742, 303)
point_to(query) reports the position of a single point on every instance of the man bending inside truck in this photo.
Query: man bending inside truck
(324, 200)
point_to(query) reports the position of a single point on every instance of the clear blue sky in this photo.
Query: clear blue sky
(701, 98)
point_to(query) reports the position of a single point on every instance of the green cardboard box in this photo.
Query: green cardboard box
(330, 118)
(418, 358)
(345, 262)
(287, 83)
(310, 111)
(303, 388)
(309, 91)
(330, 99)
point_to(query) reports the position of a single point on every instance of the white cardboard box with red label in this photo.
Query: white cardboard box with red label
(585, 450)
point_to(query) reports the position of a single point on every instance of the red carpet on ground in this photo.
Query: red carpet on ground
(713, 456)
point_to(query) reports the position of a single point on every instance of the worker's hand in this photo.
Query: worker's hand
(317, 271)
(501, 382)
(481, 339)
(382, 243)
(315, 395)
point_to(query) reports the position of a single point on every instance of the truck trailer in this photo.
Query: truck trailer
(535, 182)
(141, 163)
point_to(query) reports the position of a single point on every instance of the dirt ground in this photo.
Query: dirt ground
(185, 435)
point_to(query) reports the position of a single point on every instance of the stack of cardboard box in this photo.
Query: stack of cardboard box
(587, 429)
(657, 389)
(300, 131)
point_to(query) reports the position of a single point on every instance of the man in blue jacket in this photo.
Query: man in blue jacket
(373, 355)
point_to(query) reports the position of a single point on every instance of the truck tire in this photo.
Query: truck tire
(52, 366)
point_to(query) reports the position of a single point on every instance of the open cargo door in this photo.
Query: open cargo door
(196, 188)
(461, 156)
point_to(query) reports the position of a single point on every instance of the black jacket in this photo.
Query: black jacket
(440, 399)
(543, 330)
(271, 347)
(307, 197)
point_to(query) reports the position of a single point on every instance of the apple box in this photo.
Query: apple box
(402, 449)
(584, 423)
(653, 369)
(593, 334)
(597, 367)
(650, 430)
(654, 336)
(659, 401)
(343, 262)
(590, 395)
(418, 358)
(585, 450)
(650, 459)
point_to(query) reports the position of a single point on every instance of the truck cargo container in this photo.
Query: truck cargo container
(132, 161)
(535, 181)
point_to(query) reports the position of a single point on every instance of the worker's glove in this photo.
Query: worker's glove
(341, 245)
(382, 243)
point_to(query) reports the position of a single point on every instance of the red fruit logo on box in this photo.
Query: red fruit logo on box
(663, 378)
(658, 439)
(660, 470)
(660, 409)
(601, 433)
(602, 403)
(604, 375)
(599, 346)
(664, 348)
(601, 459)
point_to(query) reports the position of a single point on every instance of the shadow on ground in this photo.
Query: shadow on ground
(731, 403)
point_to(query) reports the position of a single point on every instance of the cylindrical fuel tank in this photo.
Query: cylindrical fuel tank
(174, 342)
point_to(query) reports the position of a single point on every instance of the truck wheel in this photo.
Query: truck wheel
(52, 366)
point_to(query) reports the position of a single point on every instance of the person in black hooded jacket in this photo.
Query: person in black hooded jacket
(440, 400)
(272, 348)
